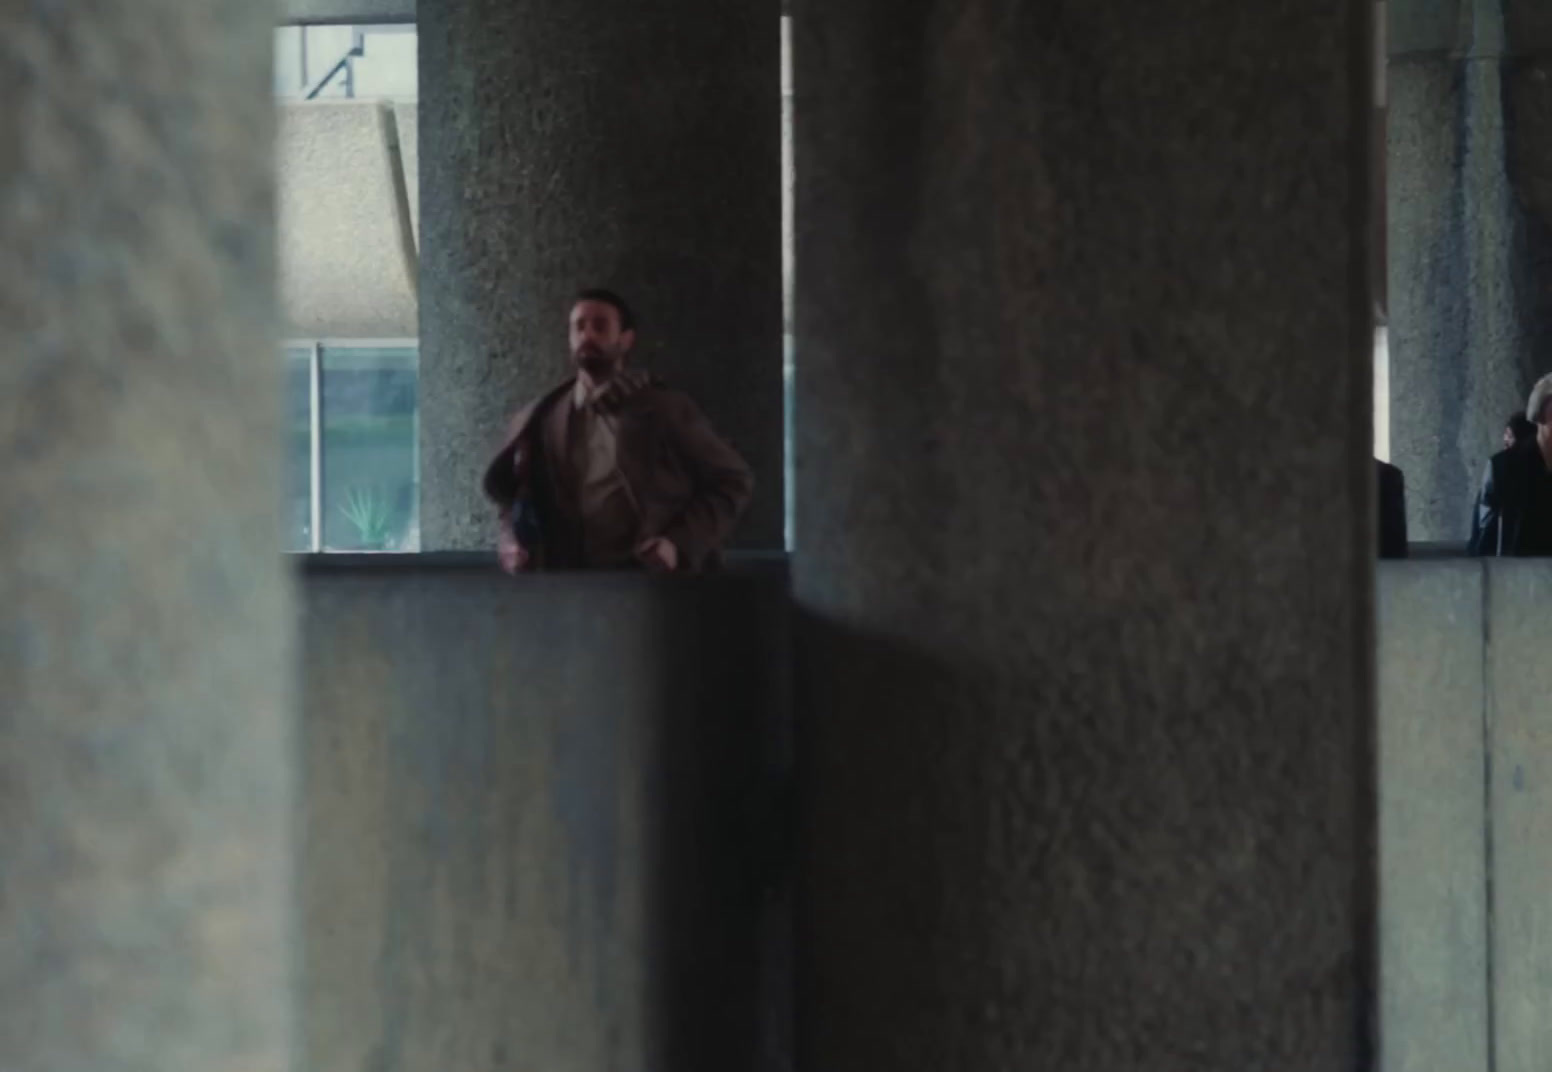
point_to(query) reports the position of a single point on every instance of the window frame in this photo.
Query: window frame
(315, 349)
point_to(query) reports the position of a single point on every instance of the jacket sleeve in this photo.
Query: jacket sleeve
(723, 484)
(1486, 518)
(1393, 523)
(500, 482)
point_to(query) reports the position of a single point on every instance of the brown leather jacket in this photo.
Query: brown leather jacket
(688, 484)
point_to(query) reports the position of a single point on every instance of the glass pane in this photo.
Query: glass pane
(346, 62)
(371, 490)
(298, 450)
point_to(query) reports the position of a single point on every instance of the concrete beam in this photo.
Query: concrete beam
(352, 12)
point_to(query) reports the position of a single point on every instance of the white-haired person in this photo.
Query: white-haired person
(1514, 509)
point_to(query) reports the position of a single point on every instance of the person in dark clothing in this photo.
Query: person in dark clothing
(1391, 485)
(1518, 430)
(1514, 509)
(613, 469)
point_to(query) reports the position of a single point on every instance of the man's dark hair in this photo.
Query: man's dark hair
(609, 297)
(1521, 427)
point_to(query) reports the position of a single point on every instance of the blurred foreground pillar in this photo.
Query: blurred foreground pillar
(1083, 550)
(145, 766)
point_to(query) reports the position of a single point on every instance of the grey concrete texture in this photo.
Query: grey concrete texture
(597, 143)
(1083, 459)
(1434, 1004)
(407, 118)
(1453, 27)
(345, 274)
(1519, 683)
(1465, 294)
(1528, 25)
(540, 821)
(144, 697)
(1422, 26)
(347, 11)
(1527, 96)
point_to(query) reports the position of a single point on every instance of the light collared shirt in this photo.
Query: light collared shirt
(594, 448)
(603, 500)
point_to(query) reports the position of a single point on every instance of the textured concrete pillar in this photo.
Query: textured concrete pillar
(144, 728)
(1470, 241)
(1082, 444)
(609, 143)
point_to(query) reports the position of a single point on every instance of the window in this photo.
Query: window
(352, 461)
(346, 63)
(349, 250)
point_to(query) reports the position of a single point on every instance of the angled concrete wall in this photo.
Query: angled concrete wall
(347, 214)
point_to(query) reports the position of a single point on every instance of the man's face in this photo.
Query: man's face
(1508, 438)
(598, 346)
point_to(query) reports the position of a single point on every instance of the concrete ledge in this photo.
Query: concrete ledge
(542, 819)
(347, 12)
(738, 564)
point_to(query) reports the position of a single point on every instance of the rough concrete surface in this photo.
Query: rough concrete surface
(1433, 853)
(1519, 682)
(345, 273)
(1083, 457)
(1463, 319)
(144, 705)
(1470, 238)
(1529, 26)
(1430, 362)
(585, 144)
(1422, 26)
(539, 821)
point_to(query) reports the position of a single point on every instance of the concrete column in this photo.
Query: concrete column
(624, 144)
(1469, 240)
(144, 707)
(1082, 556)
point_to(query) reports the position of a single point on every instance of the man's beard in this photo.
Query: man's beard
(599, 364)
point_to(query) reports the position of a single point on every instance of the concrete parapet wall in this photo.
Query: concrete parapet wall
(1465, 782)
(538, 819)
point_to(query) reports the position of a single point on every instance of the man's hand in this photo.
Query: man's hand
(621, 387)
(513, 556)
(658, 555)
